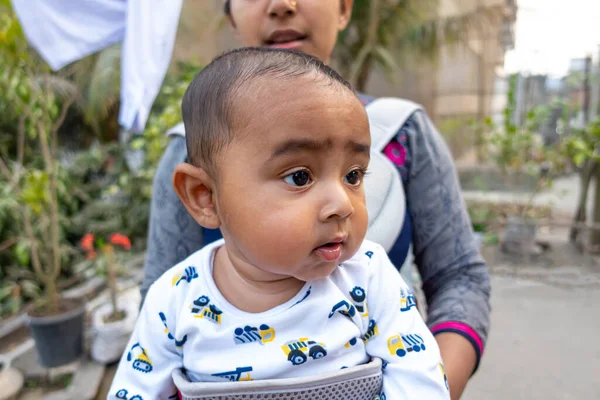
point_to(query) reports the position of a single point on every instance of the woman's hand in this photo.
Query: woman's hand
(459, 359)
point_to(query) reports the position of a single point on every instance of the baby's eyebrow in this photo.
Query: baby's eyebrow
(356, 147)
(303, 145)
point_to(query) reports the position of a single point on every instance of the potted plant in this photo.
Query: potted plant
(11, 381)
(112, 323)
(33, 176)
(520, 154)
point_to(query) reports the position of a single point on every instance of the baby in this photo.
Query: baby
(278, 148)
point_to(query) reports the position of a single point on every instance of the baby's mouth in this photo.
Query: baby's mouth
(329, 245)
(331, 251)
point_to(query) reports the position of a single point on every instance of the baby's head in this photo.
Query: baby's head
(278, 144)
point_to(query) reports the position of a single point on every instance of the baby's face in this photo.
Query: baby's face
(290, 191)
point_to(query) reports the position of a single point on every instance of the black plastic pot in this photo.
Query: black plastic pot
(59, 338)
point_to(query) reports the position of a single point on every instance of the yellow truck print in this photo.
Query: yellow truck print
(359, 298)
(203, 309)
(344, 308)
(142, 362)
(178, 343)
(240, 374)
(298, 351)
(250, 334)
(186, 275)
(400, 345)
(372, 330)
(443, 371)
(407, 300)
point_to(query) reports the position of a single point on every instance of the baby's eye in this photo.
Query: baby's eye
(354, 177)
(298, 178)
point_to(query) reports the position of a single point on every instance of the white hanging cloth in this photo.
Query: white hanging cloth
(64, 31)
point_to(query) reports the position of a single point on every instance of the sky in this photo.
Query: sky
(549, 33)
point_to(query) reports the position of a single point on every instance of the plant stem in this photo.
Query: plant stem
(111, 274)
(370, 42)
(51, 293)
(54, 270)
(595, 237)
(527, 206)
(363, 76)
(581, 214)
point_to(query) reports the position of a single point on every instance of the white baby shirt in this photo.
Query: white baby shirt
(363, 310)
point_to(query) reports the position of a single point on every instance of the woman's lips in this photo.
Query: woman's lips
(285, 39)
(294, 44)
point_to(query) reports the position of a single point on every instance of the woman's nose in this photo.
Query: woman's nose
(282, 8)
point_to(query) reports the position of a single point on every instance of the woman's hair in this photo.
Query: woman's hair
(227, 8)
(209, 103)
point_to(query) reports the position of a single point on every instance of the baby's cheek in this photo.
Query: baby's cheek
(287, 238)
(360, 219)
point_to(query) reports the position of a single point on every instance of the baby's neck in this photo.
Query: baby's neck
(247, 293)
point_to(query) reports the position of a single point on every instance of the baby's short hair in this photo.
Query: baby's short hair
(209, 103)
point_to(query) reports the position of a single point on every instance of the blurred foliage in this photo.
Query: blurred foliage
(386, 34)
(458, 134)
(584, 144)
(516, 148)
(96, 190)
(519, 149)
(122, 193)
(37, 198)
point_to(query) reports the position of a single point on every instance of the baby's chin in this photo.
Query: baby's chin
(323, 270)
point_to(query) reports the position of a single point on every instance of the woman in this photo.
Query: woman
(455, 278)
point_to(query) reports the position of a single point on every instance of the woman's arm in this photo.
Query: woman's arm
(173, 234)
(460, 360)
(455, 277)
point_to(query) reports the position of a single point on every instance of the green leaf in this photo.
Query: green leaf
(579, 159)
(22, 253)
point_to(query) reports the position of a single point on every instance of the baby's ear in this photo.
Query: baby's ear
(195, 188)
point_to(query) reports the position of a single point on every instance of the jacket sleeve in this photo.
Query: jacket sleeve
(412, 366)
(173, 234)
(455, 277)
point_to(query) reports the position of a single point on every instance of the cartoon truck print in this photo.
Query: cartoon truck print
(407, 300)
(142, 362)
(344, 308)
(372, 330)
(203, 309)
(250, 334)
(237, 375)
(443, 371)
(298, 351)
(185, 276)
(399, 345)
(122, 394)
(359, 298)
(178, 343)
